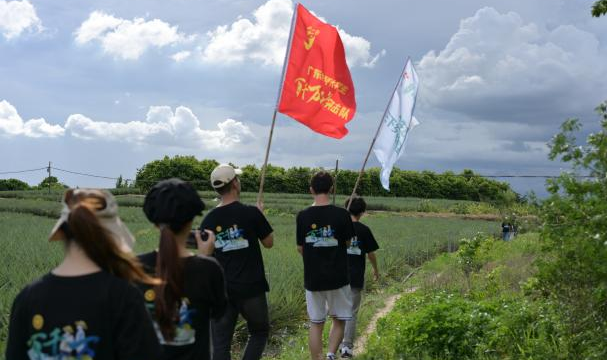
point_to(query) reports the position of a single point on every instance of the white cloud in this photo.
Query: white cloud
(127, 39)
(497, 67)
(181, 56)
(11, 124)
(17, 17)
(162, 126)
(265, 37)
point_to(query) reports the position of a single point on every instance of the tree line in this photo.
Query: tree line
(403, 183)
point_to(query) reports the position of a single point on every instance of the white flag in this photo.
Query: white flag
(396, 125)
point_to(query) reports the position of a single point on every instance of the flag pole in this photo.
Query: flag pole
(282, 79)
(362, 169)
(335, 180)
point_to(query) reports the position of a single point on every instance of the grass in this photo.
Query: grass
(292, 203)
(405, 242)
(505, 269)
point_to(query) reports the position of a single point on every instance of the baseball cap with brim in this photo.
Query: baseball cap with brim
(104, 206)
(172, 201)
(223, 174)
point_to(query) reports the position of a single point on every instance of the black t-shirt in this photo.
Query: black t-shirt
(96, 315)
(323, 232)
(238, 229)
(362, 244)
(204, 297)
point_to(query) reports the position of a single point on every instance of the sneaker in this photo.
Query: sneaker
(330, 356)
(346, 353)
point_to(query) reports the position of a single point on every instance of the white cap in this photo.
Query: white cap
(223, 174)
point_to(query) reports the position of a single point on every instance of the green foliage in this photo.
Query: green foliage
(574, 271)
(493, 320)
(426, 184)
(52, 182)
(13, 184)
(185, 167)
(599, 8)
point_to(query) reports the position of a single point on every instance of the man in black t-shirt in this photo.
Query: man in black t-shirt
(363, 243)
(238, 231)
(323, 236)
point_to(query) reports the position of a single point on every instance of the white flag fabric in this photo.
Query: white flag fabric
(396, 125)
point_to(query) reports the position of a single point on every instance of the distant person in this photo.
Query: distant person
(324, 232)
(87, 307)
(505, 231)
(363, 246)
(193, 286)
(510, 232)
(239, 229)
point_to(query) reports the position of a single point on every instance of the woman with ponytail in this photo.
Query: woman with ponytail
(87, 307)
(192, 290)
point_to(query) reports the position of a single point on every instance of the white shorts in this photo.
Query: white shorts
(335, 303)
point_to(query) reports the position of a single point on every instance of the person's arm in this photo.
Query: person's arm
(268, 241)
(263, 228)
(373, 261)
(16, 347)
(299, 235)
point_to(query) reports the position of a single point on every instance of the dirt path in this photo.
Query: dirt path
(361, 341)
(360, 344)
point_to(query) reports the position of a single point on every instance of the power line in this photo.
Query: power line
(22, 171)
(85, 174)
(510, 176)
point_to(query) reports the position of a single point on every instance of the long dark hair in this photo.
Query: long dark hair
(85, 229)
(169, 268)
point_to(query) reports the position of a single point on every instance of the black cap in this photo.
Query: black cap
(172, 201)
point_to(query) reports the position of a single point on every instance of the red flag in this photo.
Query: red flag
(318, 90)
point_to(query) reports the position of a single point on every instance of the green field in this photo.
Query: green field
(406, 242)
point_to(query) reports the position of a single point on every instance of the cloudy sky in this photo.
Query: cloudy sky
(105, 86)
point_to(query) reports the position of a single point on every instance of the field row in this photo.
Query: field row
(405, 243)
(26, 201)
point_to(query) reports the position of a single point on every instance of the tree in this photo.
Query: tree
(599, 8)
(52, 182)
(573, 273)
(13, 184)
(187, 168)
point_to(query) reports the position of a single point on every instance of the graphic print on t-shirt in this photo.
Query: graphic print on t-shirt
(184, 329)
(70, 342)
(230, 239)
(354, 248)
(321, 237)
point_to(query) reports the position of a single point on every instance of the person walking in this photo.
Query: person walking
(193, 286)
(363, 246)
(239, 229)
(323, 233)
(87, 307)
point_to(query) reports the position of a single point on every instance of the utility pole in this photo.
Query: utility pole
(49, 176)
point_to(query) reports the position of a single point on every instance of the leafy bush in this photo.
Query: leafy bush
(13, 184)
(446, 326)
(573, 272)
(426, 184)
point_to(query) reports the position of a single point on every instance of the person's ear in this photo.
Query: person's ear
(312, 191)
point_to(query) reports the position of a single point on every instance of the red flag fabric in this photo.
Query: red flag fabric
(318, 90)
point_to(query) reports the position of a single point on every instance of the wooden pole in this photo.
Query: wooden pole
(282, 79)
(49, 177)
(265, 162)
(362, 169)
(335, 180)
